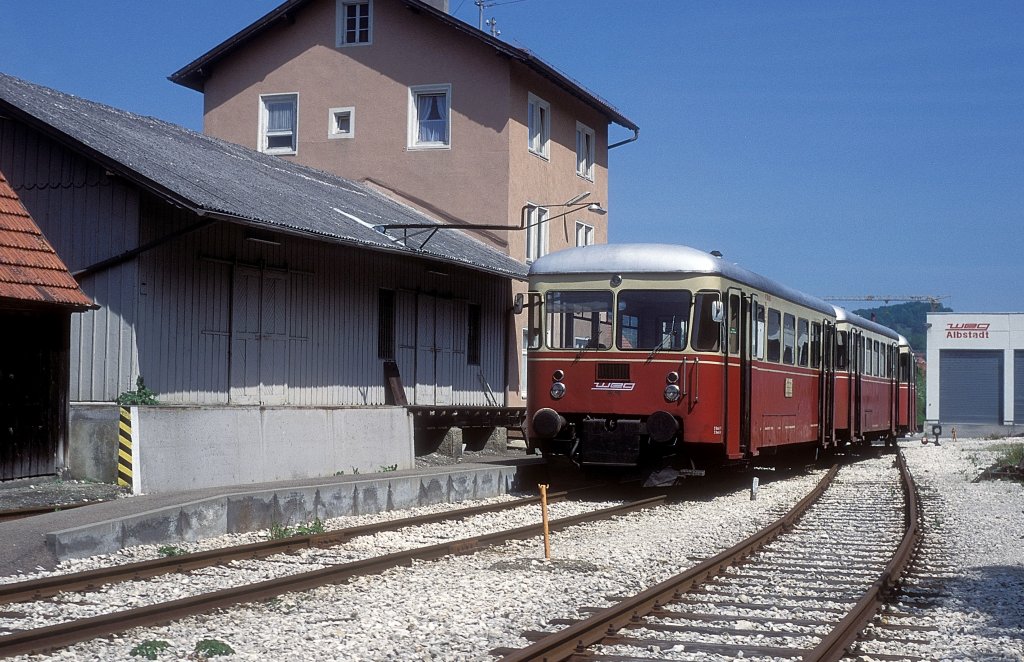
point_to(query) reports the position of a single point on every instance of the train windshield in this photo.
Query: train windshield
(579, 319)
(653, 319)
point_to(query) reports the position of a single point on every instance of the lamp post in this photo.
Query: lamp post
(574, 204)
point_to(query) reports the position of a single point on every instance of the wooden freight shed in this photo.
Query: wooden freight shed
(37, 298)
(258, 298)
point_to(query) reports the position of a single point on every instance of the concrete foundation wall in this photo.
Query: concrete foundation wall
(184, 448)
(249, 511)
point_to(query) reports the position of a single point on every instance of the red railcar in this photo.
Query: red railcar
(653, 355)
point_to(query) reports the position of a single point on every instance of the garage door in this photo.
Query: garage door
(971, 386)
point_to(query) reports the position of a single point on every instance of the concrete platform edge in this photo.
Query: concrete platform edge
(239, 511)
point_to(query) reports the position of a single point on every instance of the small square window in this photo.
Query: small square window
(354, 22)
(342, 123)
(279, 123)
(584, 151)
(430, 117)
(539, 124)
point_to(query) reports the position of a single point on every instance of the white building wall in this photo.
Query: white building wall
(972, 331)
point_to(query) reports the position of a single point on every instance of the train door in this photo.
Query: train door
(857, 368)
(827, 388)
(735, 360)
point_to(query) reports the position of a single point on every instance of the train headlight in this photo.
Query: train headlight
(671, 393)
(672, 378)
(557, 376)
(557, 390)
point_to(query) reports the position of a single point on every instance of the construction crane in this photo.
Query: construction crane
(886, 298)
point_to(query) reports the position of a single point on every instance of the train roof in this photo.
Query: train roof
(844, 315)
(664, 258)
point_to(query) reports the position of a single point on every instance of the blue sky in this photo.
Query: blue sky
(840, 147)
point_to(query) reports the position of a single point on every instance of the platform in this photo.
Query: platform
(102, 528)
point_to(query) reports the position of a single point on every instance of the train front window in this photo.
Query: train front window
(578, 319)
(653, 319)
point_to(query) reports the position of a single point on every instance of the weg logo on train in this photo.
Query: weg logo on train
(613, 386)
(967, 330)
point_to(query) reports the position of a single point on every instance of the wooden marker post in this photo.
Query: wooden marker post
(544, 518)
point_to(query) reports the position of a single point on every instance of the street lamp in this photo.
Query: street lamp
(573, 203)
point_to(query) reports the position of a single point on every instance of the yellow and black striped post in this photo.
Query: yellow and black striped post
(124, 448)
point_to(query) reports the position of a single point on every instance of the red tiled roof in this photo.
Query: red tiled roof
(30, 269)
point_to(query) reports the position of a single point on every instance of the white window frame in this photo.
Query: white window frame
(538, 126)
(585, 151)
(536, 232)
(339, 23)
(523, 362)
(332, 122)
(261, 140)
(412, 139)
(587, 232)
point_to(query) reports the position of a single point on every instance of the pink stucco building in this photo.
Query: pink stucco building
(426, 108)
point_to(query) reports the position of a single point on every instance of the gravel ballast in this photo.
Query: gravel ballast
(461, 607)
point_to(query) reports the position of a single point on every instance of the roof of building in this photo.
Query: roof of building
(30, 270)
(195, 73)
(224, 181)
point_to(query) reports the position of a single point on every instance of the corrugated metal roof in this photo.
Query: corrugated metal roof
(29, 267)
(223, 180)
(193, 74)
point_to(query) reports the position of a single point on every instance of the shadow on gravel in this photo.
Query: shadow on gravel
(990, 597)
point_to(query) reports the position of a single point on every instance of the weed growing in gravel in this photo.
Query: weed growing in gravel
(278, 531)
(171, 550)
(208, 648)
(149, 649)
(386, 468)
(1009, 454)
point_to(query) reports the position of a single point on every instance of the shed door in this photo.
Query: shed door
(971, 386)
(434, 351)
(259, 337)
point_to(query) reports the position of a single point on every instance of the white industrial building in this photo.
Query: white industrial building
(975, 361)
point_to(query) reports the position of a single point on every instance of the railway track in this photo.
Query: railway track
(62, 634)
(804, 587)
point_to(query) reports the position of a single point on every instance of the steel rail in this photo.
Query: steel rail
(835, 645)
(576, 638)
(89, 580)
(63, 634)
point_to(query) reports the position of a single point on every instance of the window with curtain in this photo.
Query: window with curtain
(430, 116)
(278, 123)
(584, 151)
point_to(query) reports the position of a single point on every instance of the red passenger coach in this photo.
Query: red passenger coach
(649, 355)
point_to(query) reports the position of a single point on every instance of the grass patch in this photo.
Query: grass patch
(149, 649)
(278, 531)
(171, 550)
(208, 648)
(1009, 454)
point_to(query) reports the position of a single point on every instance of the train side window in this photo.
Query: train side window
(816, 344)
(842, 354)
(533, 325)
(774, 335)
(706, 331)
(904, 368)
(878, 358)
(734, 323)
(802, 343)
(758, 343)
(788, 339)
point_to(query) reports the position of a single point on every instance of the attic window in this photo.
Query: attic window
(278, 123)
(354, 22)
